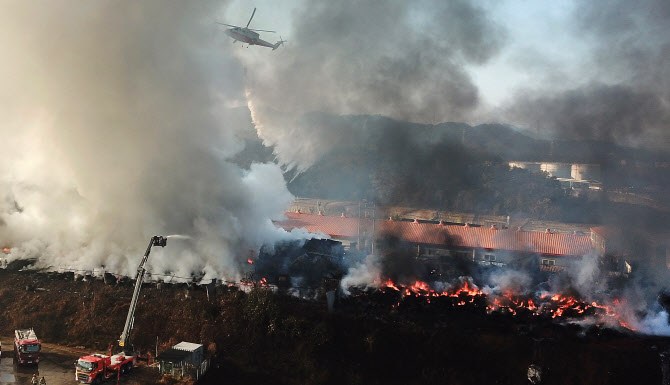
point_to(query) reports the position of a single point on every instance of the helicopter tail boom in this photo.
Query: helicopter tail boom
(279, 43)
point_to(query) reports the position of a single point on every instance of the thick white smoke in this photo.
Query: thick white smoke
(114, 129)
(365, 274)
(508, 281)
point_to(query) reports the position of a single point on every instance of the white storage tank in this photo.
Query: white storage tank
(558, 170)
(585, 171)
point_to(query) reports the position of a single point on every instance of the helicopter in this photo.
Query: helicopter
(250, 36)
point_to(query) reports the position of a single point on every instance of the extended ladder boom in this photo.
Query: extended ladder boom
(124, 340)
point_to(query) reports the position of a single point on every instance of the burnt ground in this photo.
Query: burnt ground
(274, 338)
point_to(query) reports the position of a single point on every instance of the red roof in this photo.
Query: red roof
(336, 227)
(452, 235)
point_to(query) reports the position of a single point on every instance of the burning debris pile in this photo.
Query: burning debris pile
(544, 306)
(307, 264)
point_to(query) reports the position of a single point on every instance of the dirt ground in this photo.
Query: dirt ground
(266, 337)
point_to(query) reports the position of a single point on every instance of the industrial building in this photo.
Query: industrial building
(619, 251)
(632, 249)
(439, 242)
(574, 176)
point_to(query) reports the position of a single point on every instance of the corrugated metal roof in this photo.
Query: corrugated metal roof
(336, 227)
(447, 235)
(187, 346)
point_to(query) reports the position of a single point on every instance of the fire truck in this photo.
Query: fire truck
(26, 346)
(95, 368)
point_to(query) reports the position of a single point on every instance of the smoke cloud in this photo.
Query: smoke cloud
(367, 273)
(401, 60)
(625, 98)
(611, 113)
(115, 129)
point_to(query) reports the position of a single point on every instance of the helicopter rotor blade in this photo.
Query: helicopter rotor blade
(252, 16)
(261, 30)
(230, 25)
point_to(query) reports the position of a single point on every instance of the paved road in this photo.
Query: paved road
(56, 365)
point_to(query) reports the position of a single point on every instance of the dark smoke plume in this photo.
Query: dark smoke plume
(610, 113)
(401, 60)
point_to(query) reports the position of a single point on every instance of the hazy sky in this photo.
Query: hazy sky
(529, 25)
(578, 69)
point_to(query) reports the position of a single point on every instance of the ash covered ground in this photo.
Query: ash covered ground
(265, 336)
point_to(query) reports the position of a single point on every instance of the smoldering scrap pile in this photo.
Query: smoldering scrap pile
(305, 265)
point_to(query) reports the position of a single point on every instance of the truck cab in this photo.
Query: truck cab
(89, 369)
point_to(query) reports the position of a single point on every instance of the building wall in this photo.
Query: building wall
(598, 243)
(585, 171)
(437, 254)
(558, 170)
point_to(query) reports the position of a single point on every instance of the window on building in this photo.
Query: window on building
(549, 262)
(463, 254)
(489, 257)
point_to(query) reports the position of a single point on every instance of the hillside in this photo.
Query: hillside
(457, 167)
(273, 338)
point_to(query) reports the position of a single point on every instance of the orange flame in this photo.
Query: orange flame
(420, 286)
(390, 284)
(554, 305)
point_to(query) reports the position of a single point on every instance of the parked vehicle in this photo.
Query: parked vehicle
(95, 368)
(27, 346)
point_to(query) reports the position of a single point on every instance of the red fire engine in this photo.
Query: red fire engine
(26, 346)
(95, 368)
